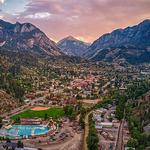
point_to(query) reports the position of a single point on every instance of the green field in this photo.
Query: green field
(52, 112)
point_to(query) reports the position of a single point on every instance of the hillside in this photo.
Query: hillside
(26, 37)
(7, 102)
(72, 46)
(131, 44)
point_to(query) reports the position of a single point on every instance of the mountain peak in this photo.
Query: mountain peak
(145, 22)
(25, 27)
(71, 38)
(26, 36)
(1, 20)
(5, 23)
(72, 46)
(131, 43)
(18, 22)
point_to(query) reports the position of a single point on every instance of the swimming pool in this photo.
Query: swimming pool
(24, 130)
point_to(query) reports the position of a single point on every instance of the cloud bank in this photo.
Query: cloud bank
(85, 19)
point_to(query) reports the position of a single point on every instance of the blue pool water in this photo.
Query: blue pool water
(25, 130)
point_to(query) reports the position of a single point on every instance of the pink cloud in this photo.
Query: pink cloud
(85, 18)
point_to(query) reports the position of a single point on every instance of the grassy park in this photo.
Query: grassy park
(51, 112)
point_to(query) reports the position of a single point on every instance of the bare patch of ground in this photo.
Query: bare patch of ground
(38, 108)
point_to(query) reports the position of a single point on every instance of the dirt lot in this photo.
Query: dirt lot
(72, 144)
(38, 108)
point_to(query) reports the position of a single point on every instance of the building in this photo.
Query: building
(106, 124)
(98, 127)
(31, 121)
(98, 118)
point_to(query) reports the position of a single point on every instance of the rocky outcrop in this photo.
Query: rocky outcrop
(26, 37)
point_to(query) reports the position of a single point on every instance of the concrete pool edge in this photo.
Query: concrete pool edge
(5, 133)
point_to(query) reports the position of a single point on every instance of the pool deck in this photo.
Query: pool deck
(16, 133)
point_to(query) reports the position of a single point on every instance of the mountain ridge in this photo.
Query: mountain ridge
(26, 36)
(72, 46)
(122, 44)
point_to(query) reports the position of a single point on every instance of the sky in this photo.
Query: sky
(86, 20)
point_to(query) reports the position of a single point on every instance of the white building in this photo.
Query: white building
(105, 124)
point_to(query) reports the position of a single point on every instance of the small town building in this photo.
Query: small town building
(37, 121)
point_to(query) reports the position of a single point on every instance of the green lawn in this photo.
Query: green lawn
(52, 112)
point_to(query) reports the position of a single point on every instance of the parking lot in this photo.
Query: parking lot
(107, 126)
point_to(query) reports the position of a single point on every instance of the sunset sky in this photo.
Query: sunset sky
(83, 19)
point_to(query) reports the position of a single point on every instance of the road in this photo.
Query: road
(119, 143)
(86, 131)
